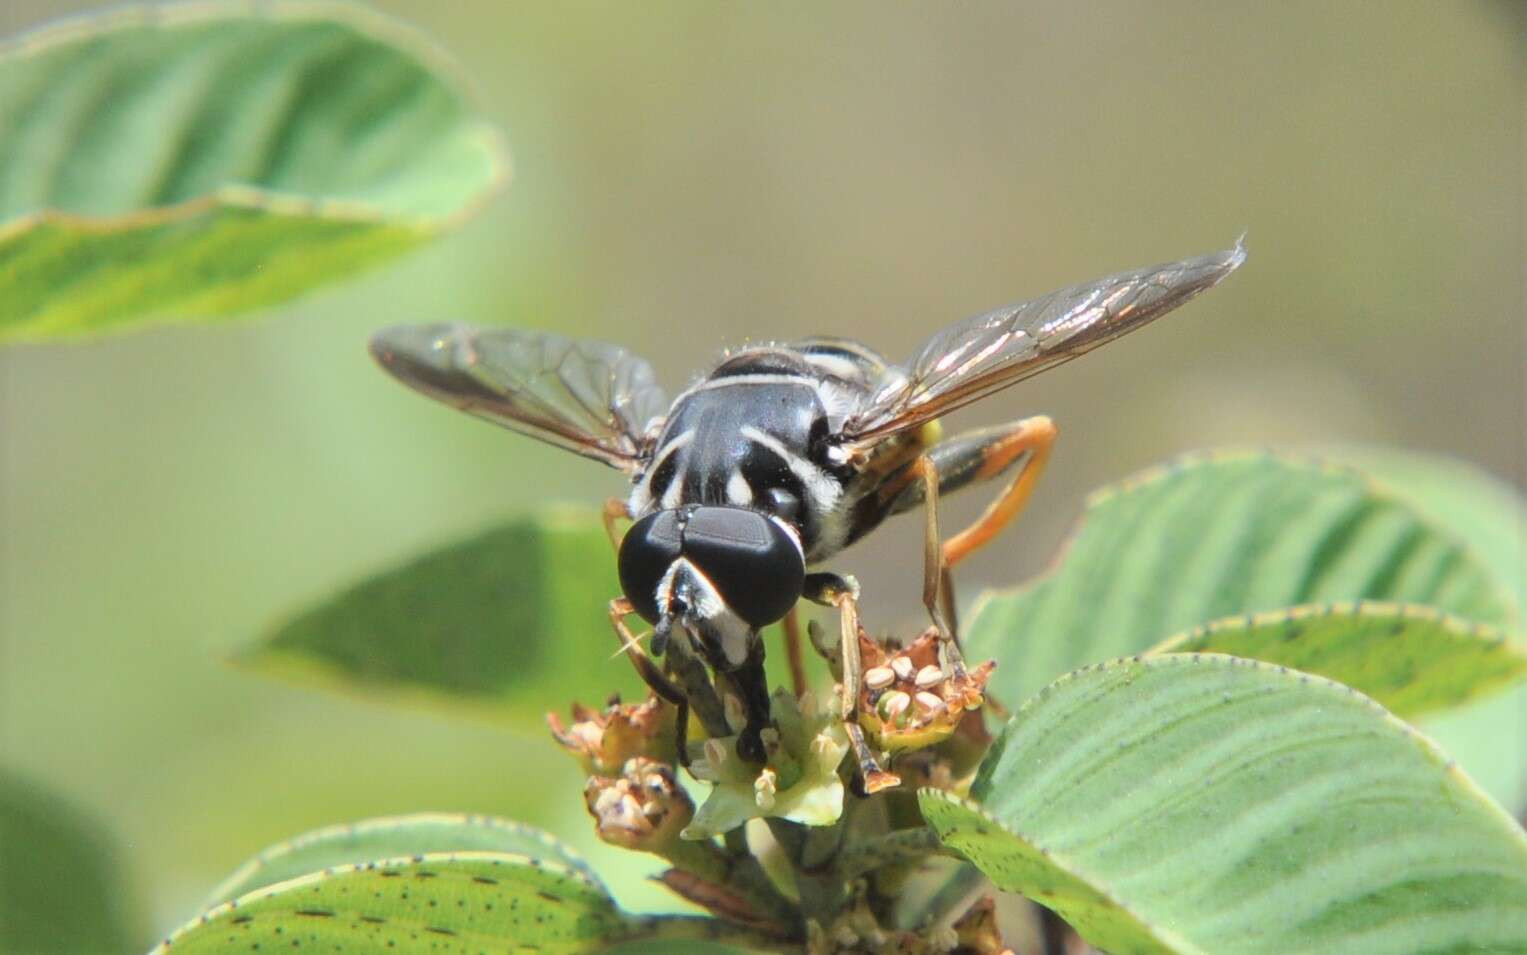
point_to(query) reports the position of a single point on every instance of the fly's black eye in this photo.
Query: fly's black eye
(646, 552)
(751, 560)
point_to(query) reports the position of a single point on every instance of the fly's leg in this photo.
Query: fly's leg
(935, 573)
(792, 627)
(987, 457)
(753, 687)
(842, 593)
(620, 609)
(614, 510)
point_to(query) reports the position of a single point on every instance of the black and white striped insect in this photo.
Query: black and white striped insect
(781, 456)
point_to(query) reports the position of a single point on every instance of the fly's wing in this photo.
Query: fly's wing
(985, 354)
(588, 397)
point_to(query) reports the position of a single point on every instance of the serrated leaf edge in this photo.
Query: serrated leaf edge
(1429, 748)
(1157, 934)
(384, 823)
(1193, 460)
(1453, 623)
(278, 888)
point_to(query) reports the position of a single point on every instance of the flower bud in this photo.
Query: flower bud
(644, 808)
(603, 742)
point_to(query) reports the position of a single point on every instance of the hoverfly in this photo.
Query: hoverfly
(782, 455)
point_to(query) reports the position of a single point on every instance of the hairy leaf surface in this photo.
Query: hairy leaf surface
(511, 622)
(1202, 803)
(1217, 536)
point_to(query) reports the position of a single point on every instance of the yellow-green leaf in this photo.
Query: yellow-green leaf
(197, 160)
(444, 902)
(1193, 803)
(1412, 659)
(392, 837)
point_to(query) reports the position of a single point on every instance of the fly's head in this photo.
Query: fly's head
(720, 574)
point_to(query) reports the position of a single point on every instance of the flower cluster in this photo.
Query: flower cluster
(799, 780)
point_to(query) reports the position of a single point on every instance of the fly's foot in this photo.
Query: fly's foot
(750, 744)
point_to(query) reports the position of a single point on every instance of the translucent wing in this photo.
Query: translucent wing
(588, 397)
(981, 355)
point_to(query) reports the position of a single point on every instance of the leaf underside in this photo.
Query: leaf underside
(511, 622)
(203, 159)
(1201, 803)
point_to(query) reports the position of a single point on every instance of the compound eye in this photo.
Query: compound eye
(646, 552)
(751, 560)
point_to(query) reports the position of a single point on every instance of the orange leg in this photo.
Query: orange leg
(792, 626)
(1034, 436)
(936, 583)
(614, 510)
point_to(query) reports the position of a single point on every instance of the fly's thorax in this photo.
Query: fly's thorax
(755, 434)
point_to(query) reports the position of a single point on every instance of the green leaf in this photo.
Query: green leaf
(1218, 536)
(194, 161)
(1411, 659)
(511, 622)
(1486, 512)
(393, 837)
(1203, 803)
(1488, 737)
(441, 902)
(61, 889)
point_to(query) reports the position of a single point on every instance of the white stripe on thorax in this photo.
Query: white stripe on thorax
(772, 378)
(823, 490)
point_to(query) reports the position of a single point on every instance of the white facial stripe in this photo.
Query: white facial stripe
(707, 607)
(737, 490)
(823, 490)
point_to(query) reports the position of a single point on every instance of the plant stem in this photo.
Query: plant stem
(742, 874)
(701, 928)
(963, 882)
(894, 848)
(1052, 930)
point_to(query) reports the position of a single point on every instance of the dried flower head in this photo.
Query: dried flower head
(644, 808)
(977, 929)
(603, 742)
(799, 780)
(906, 701)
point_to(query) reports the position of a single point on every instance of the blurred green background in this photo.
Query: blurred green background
(691, 175)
